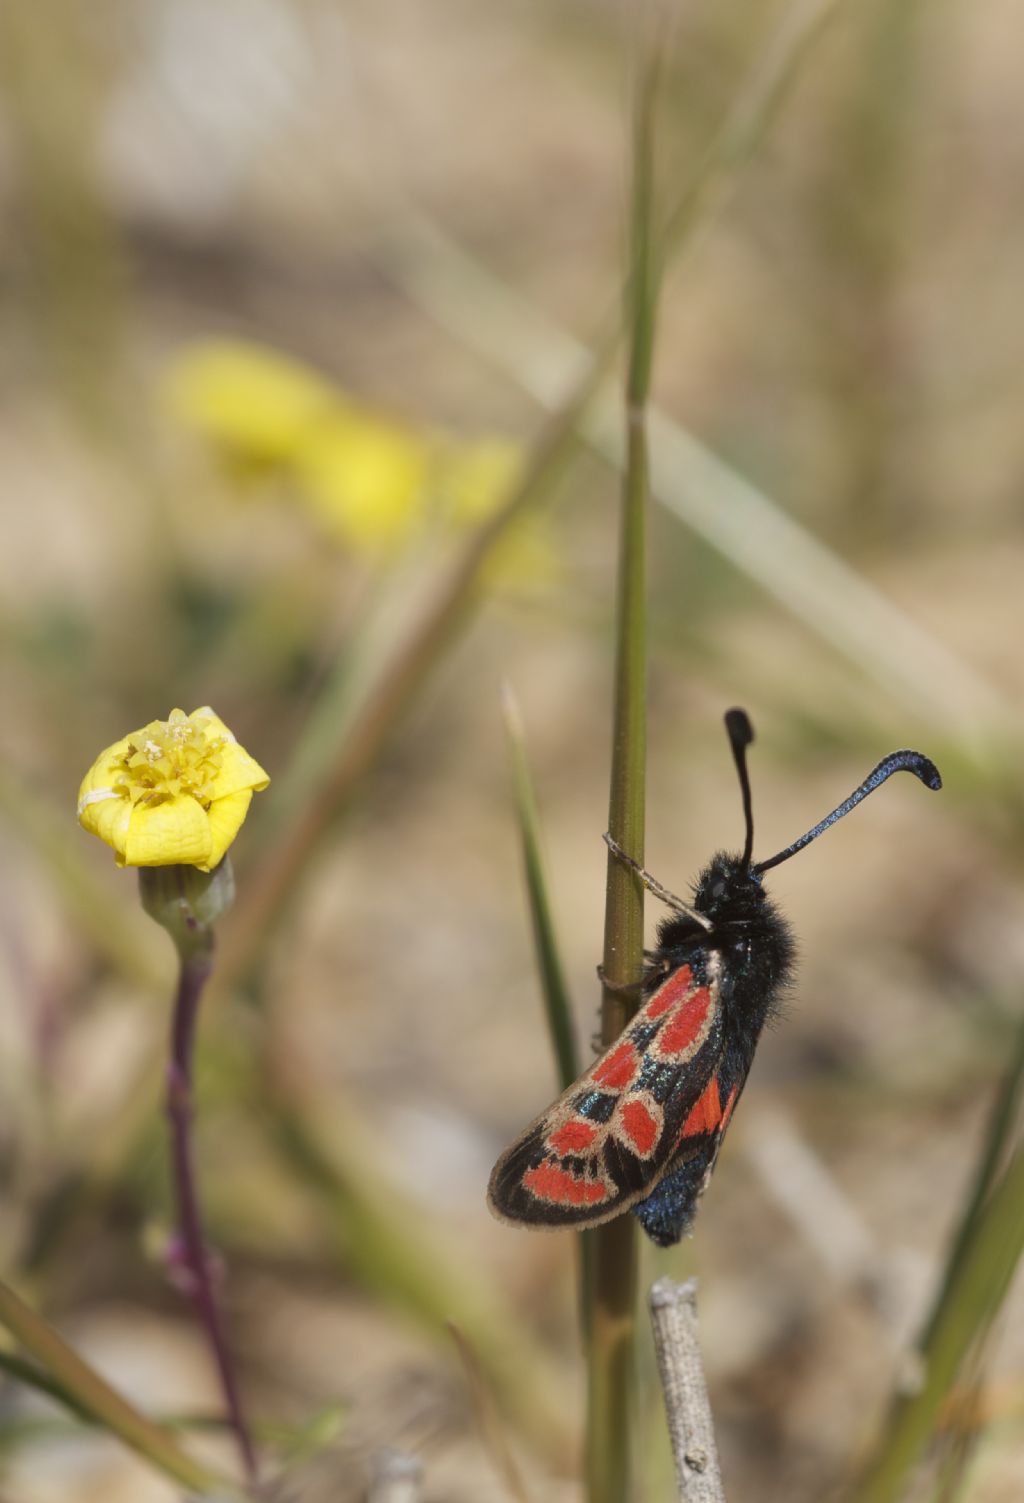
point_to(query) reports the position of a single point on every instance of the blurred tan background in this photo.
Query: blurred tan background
(846, 336)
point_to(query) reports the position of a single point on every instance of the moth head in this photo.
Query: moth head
(728, 888)
(747, 929)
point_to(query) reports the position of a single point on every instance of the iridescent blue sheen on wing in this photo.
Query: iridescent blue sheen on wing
(668, 1212)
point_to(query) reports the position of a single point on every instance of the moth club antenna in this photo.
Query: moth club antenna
(897, 761)
(741, 734)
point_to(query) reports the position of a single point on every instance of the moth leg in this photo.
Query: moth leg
(631, 989)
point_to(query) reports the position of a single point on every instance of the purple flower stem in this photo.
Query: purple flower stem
(196, 964)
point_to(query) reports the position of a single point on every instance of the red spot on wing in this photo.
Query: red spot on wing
(619, 1068)
(706, 1113)
(550, 1182)
(671, 991)
(639, 1125)
(573, 1137)
(680, 1033)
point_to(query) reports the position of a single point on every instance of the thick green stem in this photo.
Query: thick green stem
(613, 1263)
(613, 1248)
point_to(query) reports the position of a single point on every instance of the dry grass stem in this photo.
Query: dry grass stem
(739, 520)
(489, 1419)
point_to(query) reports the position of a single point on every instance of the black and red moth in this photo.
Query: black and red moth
(641, 1130)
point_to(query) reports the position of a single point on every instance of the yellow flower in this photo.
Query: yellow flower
(173, 794)
(373, 483)
(251, 402)
(366, 479)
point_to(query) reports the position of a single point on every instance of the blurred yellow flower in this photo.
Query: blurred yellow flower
(371, 482)
(366, 479)
(252, 402)
(174, 793)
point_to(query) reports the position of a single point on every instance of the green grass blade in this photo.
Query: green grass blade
(1001, 1127)
(971, 1302)
(66, 1376)
(557, 1003)
(964, 1434)
(292, 1443)
(32, 1376)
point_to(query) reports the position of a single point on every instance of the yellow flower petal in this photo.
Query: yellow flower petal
(107, 816)
(238, 770)
(211, 721)
(104, 770)
(225, 820)
(173, 833)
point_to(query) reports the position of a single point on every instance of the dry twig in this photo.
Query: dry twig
(395, 1478)
(691, 1429)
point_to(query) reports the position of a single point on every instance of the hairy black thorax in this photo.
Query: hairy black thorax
(752, 938)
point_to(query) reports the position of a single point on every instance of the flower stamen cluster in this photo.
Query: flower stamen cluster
(174, 757)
